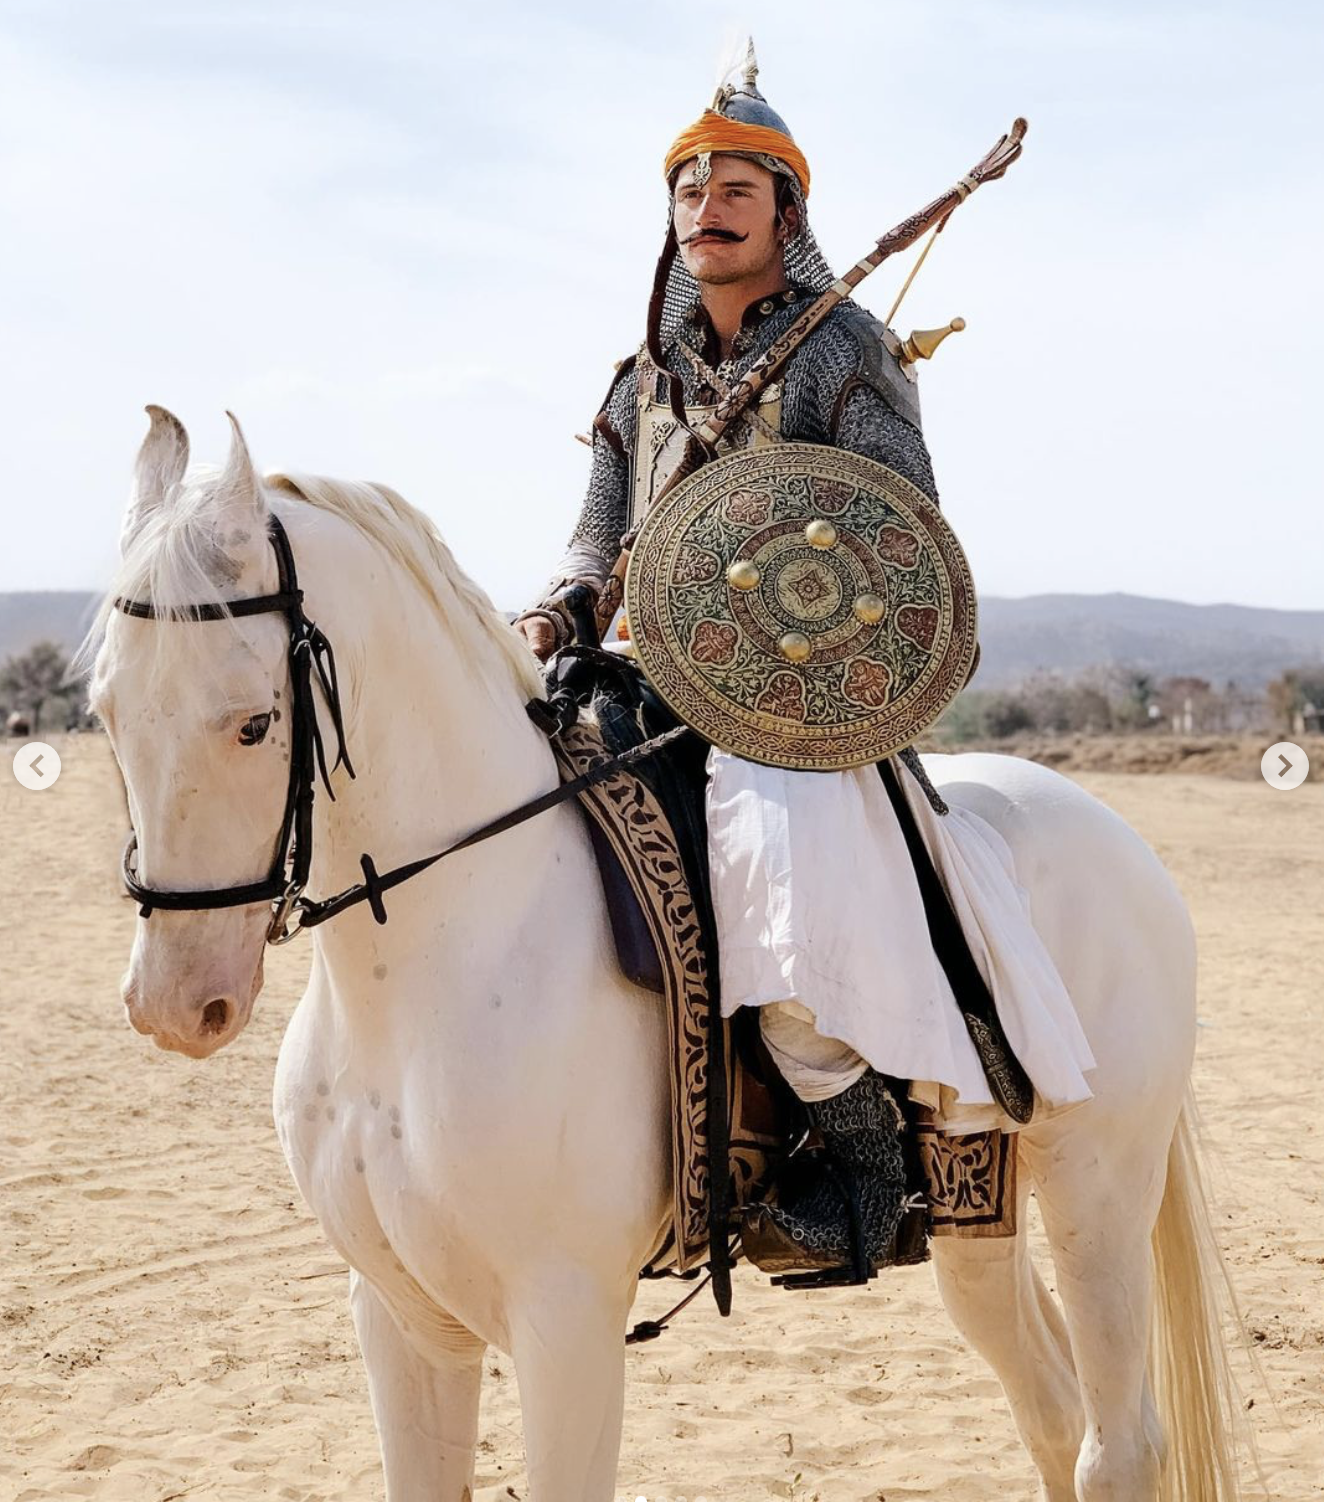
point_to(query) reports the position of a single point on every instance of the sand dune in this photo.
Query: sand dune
(172, 1326)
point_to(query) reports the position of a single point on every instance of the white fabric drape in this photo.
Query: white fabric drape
(817, 905)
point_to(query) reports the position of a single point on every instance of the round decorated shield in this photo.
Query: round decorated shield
(801, 606)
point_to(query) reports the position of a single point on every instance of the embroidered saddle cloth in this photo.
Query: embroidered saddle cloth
(664, 937)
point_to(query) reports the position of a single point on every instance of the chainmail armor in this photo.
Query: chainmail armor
(604, 516)
(828, 397)
(861, 1129)
(831, 395)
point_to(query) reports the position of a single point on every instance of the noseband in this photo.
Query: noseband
(283, 886)
(309, 651)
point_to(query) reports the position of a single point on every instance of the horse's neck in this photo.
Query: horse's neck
(440, 744)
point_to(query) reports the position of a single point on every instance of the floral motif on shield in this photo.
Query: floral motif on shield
(867, 682)
(695, 566)
(714, 642)
(918, 623)
(831, 496)
(749, 508)
(783, 697)
(896, 546)
(811, 586)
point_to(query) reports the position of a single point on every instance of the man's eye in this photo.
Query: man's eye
(253, 731)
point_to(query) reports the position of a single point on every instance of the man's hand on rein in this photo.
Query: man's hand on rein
(540, 634)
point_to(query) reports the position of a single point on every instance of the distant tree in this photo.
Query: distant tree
(1296, 699)
(963, 720)
(1089, 710)
(35, 679)
(1131, 694)
(1006, 714)
(1187, 704)
(1113, 699)
(1045, 698)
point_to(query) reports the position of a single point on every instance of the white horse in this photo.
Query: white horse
(471, 1097)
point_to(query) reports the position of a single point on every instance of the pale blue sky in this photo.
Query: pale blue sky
(406, 242)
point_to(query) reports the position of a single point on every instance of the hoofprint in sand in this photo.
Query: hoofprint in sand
(173, 1325)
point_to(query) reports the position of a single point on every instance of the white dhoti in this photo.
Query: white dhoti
(820, 920)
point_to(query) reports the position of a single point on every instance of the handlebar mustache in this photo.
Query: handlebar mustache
(715, 234)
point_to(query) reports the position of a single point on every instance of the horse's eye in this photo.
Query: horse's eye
(252, 732)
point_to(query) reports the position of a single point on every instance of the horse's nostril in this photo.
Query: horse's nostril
(215, 1015)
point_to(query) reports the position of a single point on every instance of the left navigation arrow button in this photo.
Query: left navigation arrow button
(37, 766)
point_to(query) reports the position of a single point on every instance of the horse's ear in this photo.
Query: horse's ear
(159, 468)
(240, 489)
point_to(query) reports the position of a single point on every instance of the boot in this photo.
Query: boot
(862, 1184)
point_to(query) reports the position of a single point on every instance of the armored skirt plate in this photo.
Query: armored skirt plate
(801, 606)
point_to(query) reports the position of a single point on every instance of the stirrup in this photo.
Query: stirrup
(764, 1240)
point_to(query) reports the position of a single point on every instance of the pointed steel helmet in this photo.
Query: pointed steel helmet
(741, 100)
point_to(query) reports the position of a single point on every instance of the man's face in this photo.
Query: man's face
(728, 229)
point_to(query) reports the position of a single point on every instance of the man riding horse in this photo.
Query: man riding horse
(821, 920)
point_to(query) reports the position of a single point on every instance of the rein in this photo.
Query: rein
(284, 884)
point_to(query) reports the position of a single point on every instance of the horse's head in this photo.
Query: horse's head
(199, 717)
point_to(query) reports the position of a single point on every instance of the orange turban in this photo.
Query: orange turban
(714, 132)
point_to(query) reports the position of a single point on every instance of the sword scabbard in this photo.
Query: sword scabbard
(612, 594)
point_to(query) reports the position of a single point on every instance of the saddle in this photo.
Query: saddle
(730, 1105)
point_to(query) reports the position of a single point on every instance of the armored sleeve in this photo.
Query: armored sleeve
(868, 425)
(596, 540)
(862, 398)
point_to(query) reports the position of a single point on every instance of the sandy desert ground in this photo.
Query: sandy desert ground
(172, 1326)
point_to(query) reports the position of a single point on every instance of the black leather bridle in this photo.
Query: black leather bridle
(283, 886)
(309, 651)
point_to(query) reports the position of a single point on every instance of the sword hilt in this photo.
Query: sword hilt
(578, 602)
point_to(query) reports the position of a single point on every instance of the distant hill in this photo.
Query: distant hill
(1066, 633)
(1057, 633)
(60, 615)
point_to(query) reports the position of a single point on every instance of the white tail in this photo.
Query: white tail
(1193, 1383)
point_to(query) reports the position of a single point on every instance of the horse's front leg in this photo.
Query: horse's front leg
(568, 1343)
(425, 1407)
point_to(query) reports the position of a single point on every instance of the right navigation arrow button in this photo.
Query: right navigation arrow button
(1285, 766)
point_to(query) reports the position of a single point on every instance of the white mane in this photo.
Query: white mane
(173, 560)
(411, 539)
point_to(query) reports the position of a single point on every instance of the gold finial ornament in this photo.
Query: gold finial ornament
(869, 608)
(743, 575)
(923, 342)
(795, 646)
(820, 534)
